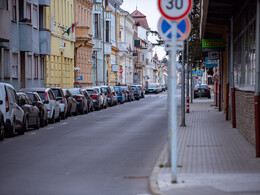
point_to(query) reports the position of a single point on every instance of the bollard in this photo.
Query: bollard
(188, 105)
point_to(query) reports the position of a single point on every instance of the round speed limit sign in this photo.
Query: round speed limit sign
(174, 9)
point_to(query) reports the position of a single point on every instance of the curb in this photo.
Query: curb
(153, 184)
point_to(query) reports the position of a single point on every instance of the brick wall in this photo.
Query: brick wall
(245, 117)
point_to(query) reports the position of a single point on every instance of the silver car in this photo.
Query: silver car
(103, 95)
(49, 99)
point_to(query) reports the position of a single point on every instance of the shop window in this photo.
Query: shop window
(29, 67)
(36, 67)
(42, 69)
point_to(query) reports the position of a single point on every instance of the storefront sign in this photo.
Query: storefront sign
(213, 44)
(210, 63)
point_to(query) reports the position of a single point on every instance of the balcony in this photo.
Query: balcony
(44, 3)
(137, 63)
(108, 15)
(82, 33)
(107, 48)
(97, 44)
(122, 46)
(5, 26)
(45, 41)
(25, 36)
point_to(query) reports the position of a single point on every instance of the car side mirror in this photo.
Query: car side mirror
(1, 102)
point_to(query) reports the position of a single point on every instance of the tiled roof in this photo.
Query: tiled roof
(141, 18)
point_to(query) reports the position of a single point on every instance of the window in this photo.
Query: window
(6, 64)
(0, 63)
(41, 18)
(21, 9)
(96, 25)
(28, 11)
(107, 31)
(29, 67)
(51, 95)
(35, 17)
(36, 67)
(42, 68)
(14, 18)
(15, 65)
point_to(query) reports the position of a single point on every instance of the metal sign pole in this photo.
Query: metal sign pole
(173, 104)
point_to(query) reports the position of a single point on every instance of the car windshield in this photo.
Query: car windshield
(30, 95)
(104, 89)
(134, 88)
(117, 89)
(202, 87)
(98, 90)
(91, 92)
(74, 91)
(152, 85)
(57, 92)
(41, 94)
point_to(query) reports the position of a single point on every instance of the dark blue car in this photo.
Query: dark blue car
(121, 96)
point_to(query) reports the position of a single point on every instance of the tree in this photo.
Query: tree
(196, 56)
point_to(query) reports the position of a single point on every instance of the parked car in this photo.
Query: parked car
(153, 88)
(58, 92)
(2, 124)
(13, 114)
(127, 93)
(81, 99)
(37, 101)
(121, 97)
(72, 103)
(104, 97)
(137, 92)
(96, 97)
(113, 95)
(49, 100)
(32, 116)
(141, 90)
(89, 100)
(202, 91)
(109, 93)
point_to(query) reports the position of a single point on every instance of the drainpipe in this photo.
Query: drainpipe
(116, 40)
(104, 67)
(233, 104)
(228, 74)
(257, 80)
(220, 80)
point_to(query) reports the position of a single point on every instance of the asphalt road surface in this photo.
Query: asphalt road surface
(107, 152)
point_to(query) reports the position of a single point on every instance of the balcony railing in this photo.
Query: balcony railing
(45, 41)
(82, 33)
(122, 46)
(44, 3)
(25, 36)
(107, 48)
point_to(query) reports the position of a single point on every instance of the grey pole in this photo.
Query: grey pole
(183, 92)
(173, 127)
(188, 69)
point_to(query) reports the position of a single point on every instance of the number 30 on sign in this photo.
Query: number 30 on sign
(174, 9)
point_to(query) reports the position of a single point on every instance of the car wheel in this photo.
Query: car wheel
(25, 126)
(2, 130)
(59, 118)
(46, 122)
(53, 117)
(37, 126)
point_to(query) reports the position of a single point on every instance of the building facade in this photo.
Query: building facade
(126, 47)
(24, 42)
(237, 80)
(83, 45)
(60, 64)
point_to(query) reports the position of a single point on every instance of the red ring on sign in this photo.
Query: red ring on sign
(174, 18)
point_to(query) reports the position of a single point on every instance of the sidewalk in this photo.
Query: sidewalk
(213, 158)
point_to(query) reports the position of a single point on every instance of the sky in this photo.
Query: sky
(150, 9)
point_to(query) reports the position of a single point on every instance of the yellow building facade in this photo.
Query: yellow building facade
(60, 64)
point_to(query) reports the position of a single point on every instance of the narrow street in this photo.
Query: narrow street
(109, 152)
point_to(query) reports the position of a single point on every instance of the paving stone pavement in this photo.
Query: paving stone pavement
(213, 158)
